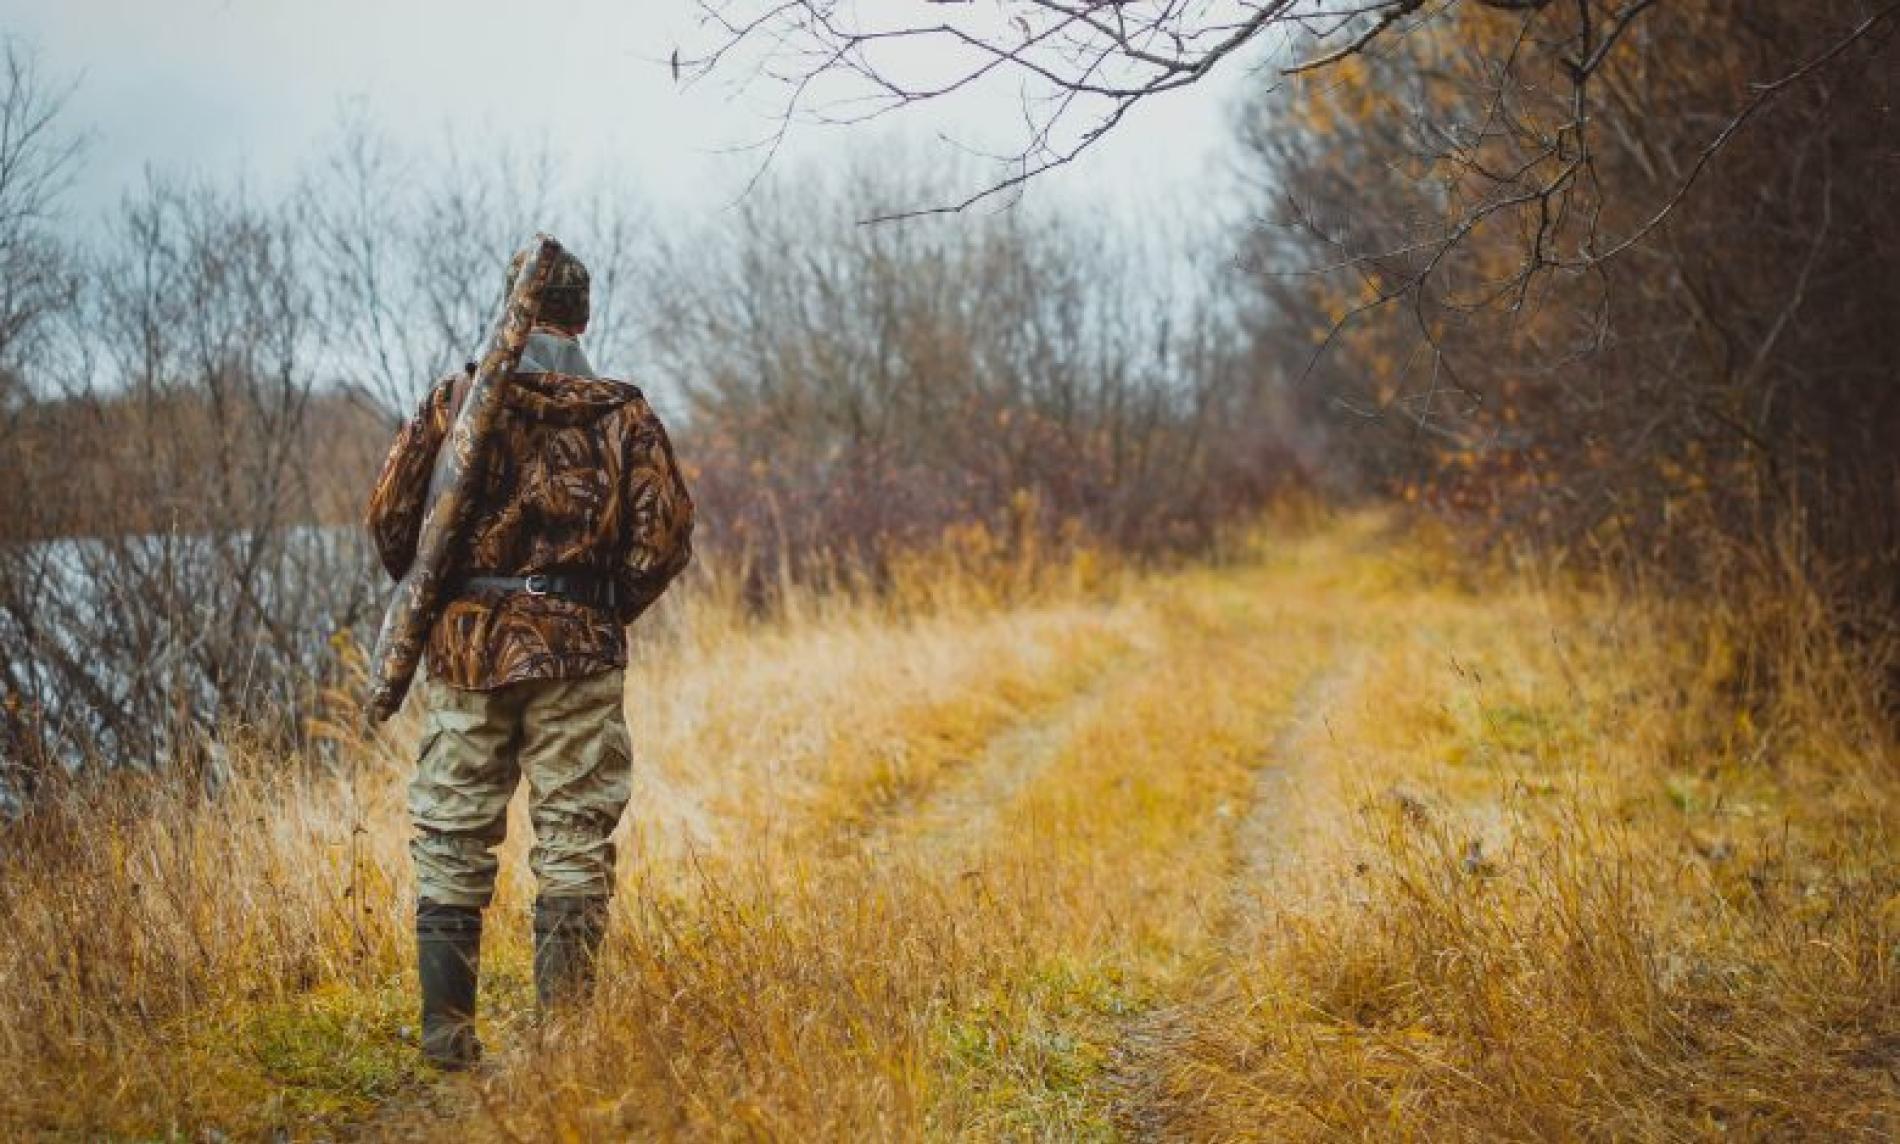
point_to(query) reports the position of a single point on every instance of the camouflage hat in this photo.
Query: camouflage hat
(564, 300)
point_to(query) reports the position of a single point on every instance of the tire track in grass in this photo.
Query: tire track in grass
(1151, 1037)
(1109, 853)
(877, 776)
(965, 805)
(1259, 848)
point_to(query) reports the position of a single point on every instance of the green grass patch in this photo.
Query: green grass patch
(1030, 1059)
(311, 1061)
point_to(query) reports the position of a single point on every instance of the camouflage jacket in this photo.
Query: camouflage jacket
(584, 481)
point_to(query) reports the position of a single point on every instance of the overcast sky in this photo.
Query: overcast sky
(248, 88)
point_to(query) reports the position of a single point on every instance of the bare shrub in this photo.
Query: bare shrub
(176, 573)
(855, 389)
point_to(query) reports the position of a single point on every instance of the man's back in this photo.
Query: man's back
(580, 481)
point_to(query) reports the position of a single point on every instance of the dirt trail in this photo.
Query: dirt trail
(1260, 839)
(1259, 849)
(962, 809)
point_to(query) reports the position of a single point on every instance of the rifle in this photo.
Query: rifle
(450, 502)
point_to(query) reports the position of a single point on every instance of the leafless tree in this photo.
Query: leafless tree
(854, 390)
(1599, 265)
(409, 252)
(176, 576)
(37, 157)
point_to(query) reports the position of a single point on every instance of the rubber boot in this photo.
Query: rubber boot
(567, 933)
(448, 962)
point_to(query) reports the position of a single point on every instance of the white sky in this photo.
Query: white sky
(248, 88)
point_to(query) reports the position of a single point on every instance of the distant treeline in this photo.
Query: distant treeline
(111, 464)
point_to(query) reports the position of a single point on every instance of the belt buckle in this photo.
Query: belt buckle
(536, 585)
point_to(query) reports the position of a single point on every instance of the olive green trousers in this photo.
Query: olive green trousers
(568, 737)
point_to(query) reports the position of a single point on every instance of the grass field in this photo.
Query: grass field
(1338, 838)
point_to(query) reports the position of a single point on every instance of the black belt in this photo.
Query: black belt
(584, 588)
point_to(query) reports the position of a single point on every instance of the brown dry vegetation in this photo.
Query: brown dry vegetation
(113, 466)
(1339, 837)
(1582, 312)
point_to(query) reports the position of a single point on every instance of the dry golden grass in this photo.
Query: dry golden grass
(1337, 839)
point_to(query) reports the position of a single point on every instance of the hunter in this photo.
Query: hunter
(581, 522)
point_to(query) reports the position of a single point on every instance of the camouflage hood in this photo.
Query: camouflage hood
(563, 399)
(556, 384)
